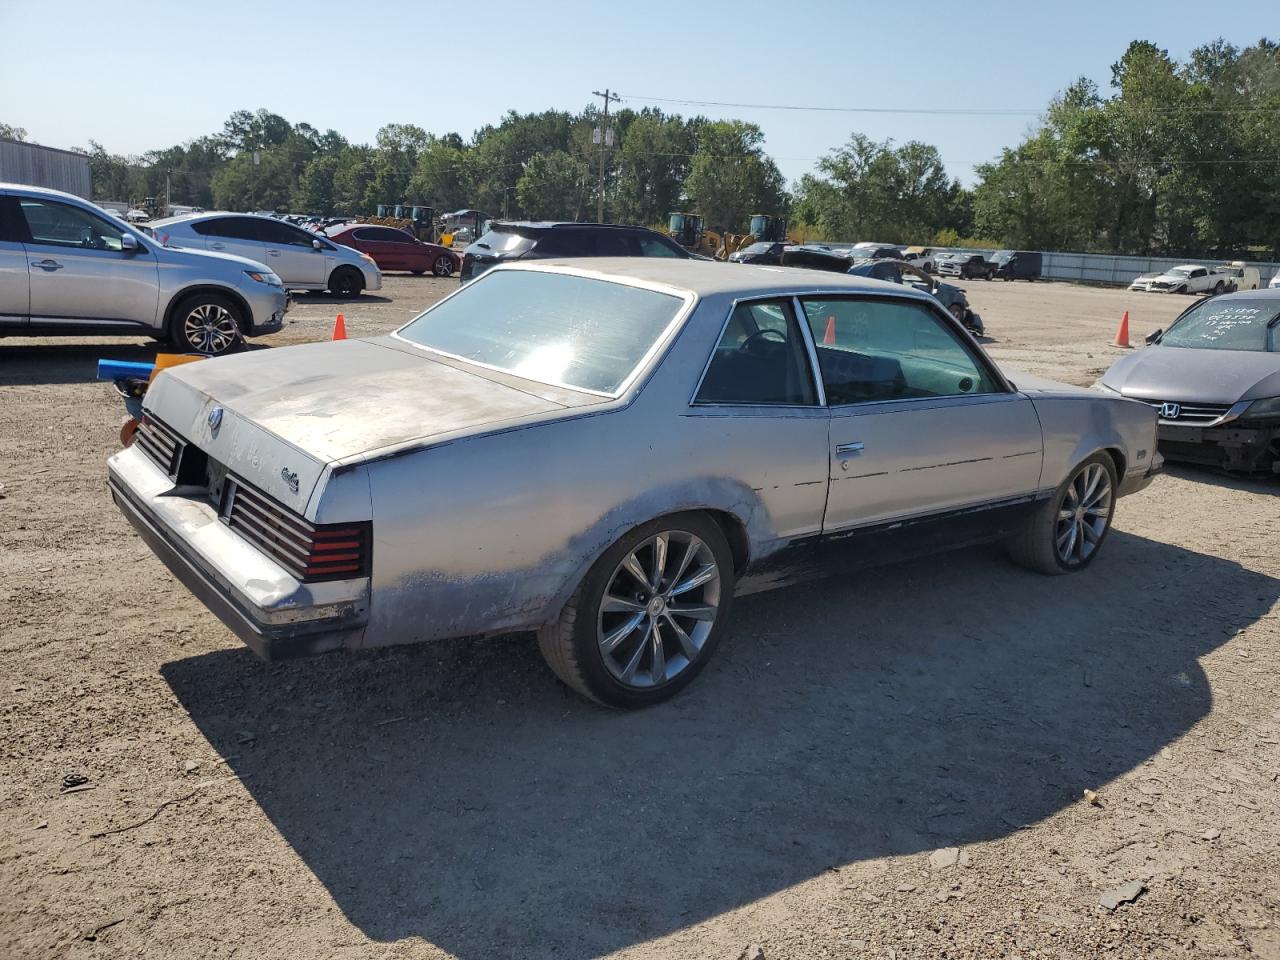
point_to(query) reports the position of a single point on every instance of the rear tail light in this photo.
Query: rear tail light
(338, 552)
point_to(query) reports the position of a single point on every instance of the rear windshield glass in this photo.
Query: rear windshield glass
(553, 328)
(1217, 324)
(758, 248)
(502, 241)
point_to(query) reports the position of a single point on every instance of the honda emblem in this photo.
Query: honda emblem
(1170, 411)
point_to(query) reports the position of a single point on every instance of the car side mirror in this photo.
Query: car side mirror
(1155, 335)
(317, 245)
(128, 243)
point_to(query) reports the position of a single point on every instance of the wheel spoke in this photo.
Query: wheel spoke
(658, 664)
(629, 670)
(695, 611)
(659, 561)
(686, 642)
(615, 604)
(634, 567)
(1092, 477)
(690, 552)
(610, 642)
(1091, 534)
(703, 575)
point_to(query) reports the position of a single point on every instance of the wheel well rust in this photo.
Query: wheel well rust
(736, 533)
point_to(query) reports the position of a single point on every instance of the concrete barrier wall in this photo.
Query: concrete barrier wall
(1104, 268)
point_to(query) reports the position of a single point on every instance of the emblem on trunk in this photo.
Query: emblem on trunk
(290, 478)
(215, 419)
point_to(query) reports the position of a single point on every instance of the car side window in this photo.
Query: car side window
(615, 243)
(652, 247)
(562, 243)
(61, 225)
(875, 350)
(365, 235)
(276, 233)
(1197, 274)
(760, 359)
(233, 228)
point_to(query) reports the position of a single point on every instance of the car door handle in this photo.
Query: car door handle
(47, 264)
(274, 253)
(217, 246)
(849, 449)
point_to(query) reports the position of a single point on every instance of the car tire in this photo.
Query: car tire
(443, 266)
(1051, 543)
(346, 282)
(957, 311)
(1182, 289)
(609, 655)
(1217, 288)
(207, 323)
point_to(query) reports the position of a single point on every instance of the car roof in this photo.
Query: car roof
(26, 189)
(212, 214)
(710, 277)
(561, 225)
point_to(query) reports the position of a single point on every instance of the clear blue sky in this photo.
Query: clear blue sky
(136, 76)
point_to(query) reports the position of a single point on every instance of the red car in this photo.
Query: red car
(394, 249)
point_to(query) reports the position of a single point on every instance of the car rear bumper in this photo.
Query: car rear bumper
(272, 613)
(1235, 446)
(1135, 481)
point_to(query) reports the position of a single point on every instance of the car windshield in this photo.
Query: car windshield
(758, 248)
(1001, 256)
(503, 241)
(551, 327)
(1219, 324)
(1179, 272)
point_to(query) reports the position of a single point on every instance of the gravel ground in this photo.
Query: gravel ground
(893, 766)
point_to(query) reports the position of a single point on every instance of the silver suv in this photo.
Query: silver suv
(303, 260)
(68, 267)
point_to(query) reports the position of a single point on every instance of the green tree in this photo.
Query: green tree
(730, 177)
(10, 132)
(552, 187)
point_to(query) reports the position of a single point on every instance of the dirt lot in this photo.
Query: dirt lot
(890, 767)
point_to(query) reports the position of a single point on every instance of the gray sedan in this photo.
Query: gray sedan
(1214, 377)
(607, 452)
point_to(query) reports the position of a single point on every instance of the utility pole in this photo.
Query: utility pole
(606, 141)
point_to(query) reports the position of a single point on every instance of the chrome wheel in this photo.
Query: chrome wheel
(1083, 514)
(443, 267)
(658, 610)
(210, 328)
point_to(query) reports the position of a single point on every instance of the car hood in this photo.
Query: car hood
(324, 402)
(181, 254)
(1196, 376)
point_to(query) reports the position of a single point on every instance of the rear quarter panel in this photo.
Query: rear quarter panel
(494, 532)
(1077, 424)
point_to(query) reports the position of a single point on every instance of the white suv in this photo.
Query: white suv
(304, 260)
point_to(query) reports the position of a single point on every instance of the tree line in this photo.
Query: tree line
(1176, 158)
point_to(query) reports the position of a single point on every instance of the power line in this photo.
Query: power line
(921, 111)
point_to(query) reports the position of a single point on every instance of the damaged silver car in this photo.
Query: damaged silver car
(607, 452)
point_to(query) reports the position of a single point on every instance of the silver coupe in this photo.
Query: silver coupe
(606, 452)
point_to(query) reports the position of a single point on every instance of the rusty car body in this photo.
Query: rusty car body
(606, 452)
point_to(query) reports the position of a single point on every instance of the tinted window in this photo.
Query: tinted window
(760, 359)
(1217, 324)
(564, 243)
(12, 227)
(277, 233)
(873, 350)
(62, 225)
(655, 247)
(613, 243)
(233, 228)
(506, 242)
(1196, 274)
(550, 327)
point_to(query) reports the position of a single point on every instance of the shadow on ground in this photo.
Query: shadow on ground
(1269, 485)
(455, 792)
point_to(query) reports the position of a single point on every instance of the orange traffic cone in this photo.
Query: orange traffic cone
(1122, 335)
(830, 335)
(339, 328)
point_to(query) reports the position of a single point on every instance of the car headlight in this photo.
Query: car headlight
(265, 276)
(368, 259)
(1267, 409)
(1103, 388)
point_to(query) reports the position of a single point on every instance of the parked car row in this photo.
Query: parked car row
(1196, 278)
(69, 268)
